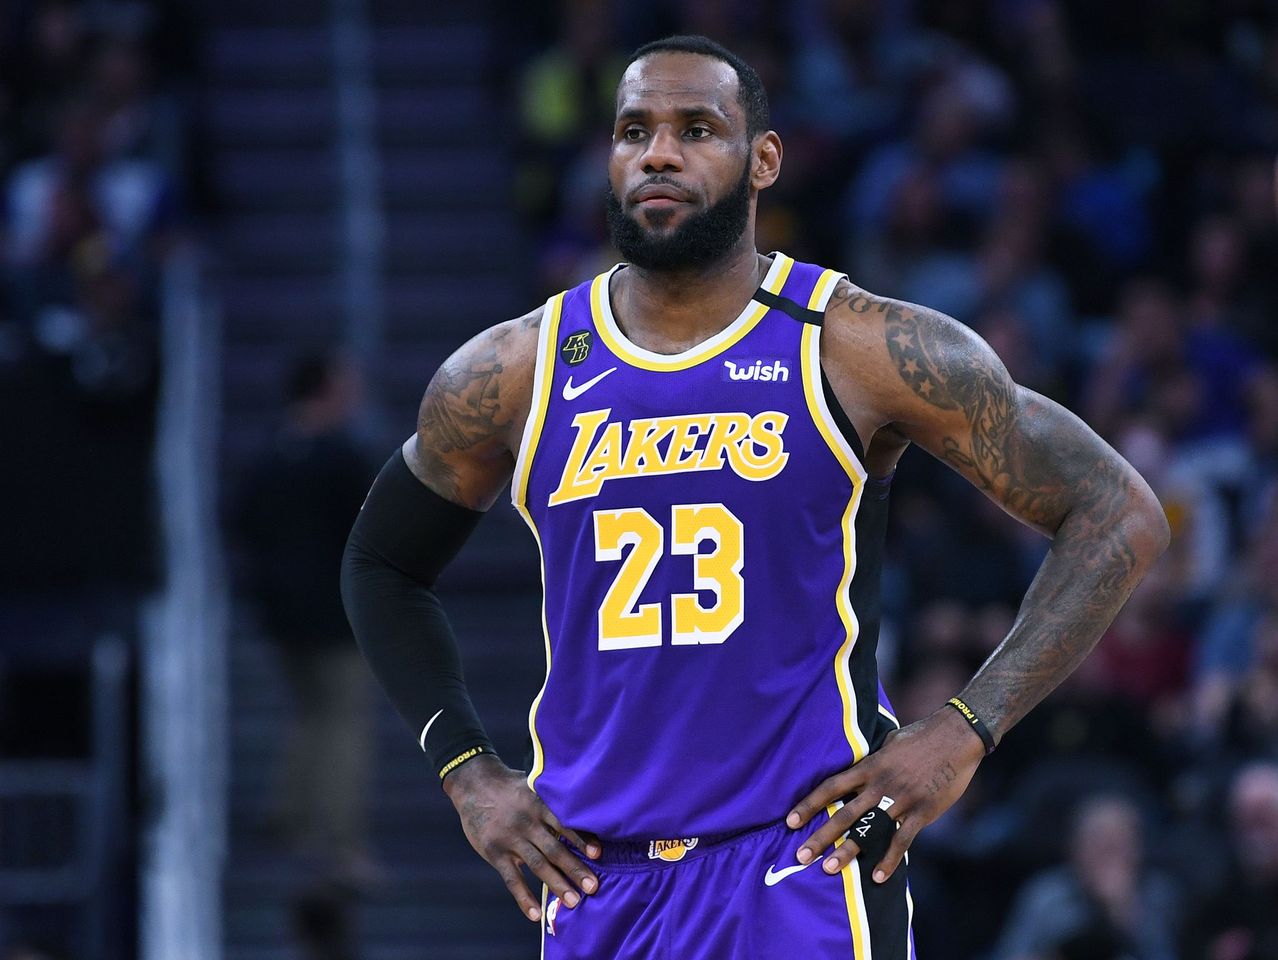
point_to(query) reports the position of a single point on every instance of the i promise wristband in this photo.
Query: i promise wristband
(977, 723)
(457, 761)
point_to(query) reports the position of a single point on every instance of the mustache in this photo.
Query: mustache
(663, 180)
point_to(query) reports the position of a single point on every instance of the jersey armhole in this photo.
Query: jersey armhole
(542, 379)
(814, 315)
(841, 418)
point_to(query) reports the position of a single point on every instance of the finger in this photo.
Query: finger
(826, 792)
(868, 837)
(901, 841)
(839, 824)
(568, 864)
(514, 881)
(545, 871)
(585, 842)
(594, 846)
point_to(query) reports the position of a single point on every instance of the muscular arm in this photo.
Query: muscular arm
(472, 414)
(1042, 465)
(468, 431)
(913, 372)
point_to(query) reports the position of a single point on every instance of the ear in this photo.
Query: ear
(765, 161)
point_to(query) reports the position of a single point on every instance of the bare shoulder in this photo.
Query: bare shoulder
(908, 353)
(473, 411)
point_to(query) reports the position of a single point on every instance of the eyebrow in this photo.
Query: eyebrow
(697, 111)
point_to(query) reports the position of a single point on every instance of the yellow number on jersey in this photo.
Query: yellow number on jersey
(619, 628)
(719, 570)
(622, 625)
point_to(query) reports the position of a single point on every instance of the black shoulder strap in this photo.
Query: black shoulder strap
(785, 305)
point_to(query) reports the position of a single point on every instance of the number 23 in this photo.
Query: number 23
(624, 623)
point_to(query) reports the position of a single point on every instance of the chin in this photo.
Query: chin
(659, 222)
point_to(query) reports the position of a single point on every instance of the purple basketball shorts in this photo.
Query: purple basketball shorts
(741, 897)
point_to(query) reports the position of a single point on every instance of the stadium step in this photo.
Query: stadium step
(445, 185)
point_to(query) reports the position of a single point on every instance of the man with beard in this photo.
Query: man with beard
(701, 440)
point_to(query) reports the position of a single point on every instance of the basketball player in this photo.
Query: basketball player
(701, 440)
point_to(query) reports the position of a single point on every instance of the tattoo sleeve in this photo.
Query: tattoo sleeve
(1044, 466)
(463, 448)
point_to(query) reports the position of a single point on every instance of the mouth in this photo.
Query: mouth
(659, 196)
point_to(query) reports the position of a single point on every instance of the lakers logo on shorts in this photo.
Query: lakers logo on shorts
(575, 348)
(672, 851)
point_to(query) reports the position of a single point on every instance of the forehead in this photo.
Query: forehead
(664, 81)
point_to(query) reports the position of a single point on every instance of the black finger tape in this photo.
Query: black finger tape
(872, 833)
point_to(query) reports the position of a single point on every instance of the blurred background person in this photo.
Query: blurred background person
(1103, 903)
(294, 511)
(1237, 921)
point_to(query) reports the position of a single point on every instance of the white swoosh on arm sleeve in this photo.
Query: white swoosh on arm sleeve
(426, 729)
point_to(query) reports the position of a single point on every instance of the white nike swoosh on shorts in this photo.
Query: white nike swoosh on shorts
(426, 729)
(775, 876)
(572, 393)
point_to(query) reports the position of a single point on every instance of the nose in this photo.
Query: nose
(663, 151)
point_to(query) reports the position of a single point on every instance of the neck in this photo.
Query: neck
(670, 311)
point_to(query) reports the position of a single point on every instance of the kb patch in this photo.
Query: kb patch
(576, 347)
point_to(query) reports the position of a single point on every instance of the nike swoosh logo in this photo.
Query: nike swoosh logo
(572, 393)
(426, 729)
(775, 876)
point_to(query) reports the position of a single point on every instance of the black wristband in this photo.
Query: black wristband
(975, 722)
(462, 757)
(403, 537)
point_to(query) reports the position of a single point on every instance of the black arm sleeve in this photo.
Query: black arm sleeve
(403, 537)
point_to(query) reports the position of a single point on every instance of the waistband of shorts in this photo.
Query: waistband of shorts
(659, 854)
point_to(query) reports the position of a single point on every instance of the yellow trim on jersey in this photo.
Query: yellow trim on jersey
(854, 895)
(812, 392)
(544, 893)
(725, 339)
(823, 289)
(543, 376)
(542, 380)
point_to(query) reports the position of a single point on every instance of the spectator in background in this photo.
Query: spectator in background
(295, 509)
(1103, 904)
(78, 191)
(948, 140)
(136, 122)
(565, 91)
(1144, 655)
(46, 69)
(1239, 921)
(850, 68)
(1230, 646)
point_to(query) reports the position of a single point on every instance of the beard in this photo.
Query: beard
(702, 239)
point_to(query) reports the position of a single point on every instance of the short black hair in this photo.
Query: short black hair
(750, 91)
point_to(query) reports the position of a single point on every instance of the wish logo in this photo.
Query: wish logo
(764, 370)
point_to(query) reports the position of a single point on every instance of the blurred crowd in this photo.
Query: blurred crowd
(93, 143)
(1089, 185)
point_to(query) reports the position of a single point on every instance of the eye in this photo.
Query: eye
(698, 132)
(632, 134)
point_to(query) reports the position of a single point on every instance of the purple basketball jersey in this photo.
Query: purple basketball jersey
(710, 557)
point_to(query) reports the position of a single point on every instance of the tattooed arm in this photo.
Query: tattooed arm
(468, 431)
(925, 377)
(473, 413)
